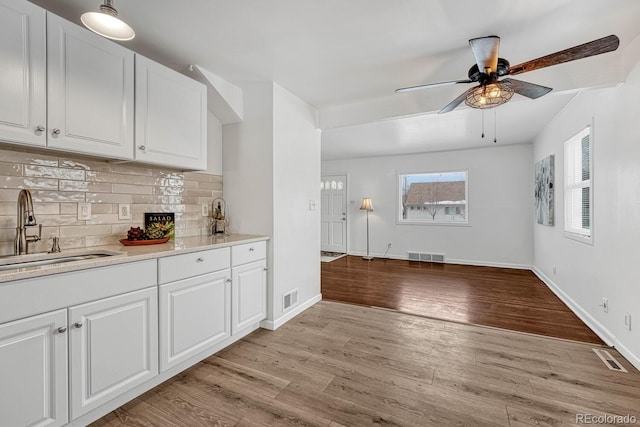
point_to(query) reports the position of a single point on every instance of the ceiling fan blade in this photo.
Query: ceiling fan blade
(431, 85)
(485, 50)
(453, 104)
(592, 48)
(527, 89)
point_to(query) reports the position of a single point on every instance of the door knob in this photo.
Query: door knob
(39, 128)
(56, 131)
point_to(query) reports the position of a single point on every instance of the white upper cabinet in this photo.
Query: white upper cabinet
(23, 115)
(171, 117)
(90, 92)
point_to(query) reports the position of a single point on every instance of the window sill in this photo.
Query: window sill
(432, 224)
(588, 240)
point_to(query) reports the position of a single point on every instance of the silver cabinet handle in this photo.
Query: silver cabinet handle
(62, 329)
(56, 131)
(200, 259)
(142, 147)
(265, 269)
(78, 325)
(39, 128)
(228, 280)
(251, 249)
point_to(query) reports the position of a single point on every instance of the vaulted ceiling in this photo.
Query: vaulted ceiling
(346, 58)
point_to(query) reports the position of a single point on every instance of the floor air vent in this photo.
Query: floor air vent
(289, 299)
(423, 256)
(609, 361)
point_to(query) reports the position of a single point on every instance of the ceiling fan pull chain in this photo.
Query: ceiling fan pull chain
(482, 124)
(495, 126)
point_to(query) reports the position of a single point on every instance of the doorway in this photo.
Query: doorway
(333, 214)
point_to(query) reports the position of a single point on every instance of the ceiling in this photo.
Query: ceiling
(346, 58)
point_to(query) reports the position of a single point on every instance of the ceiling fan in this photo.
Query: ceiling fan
(492, 92)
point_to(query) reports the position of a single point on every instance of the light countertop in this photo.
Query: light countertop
(122, 254)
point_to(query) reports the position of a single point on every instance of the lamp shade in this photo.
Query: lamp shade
(366, 205)
(107, 24)
(489, 95)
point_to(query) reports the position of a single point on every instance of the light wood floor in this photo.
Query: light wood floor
(340, 364)
(490, 296)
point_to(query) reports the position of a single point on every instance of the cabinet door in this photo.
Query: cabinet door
(33, 371)
(113, 347)
(23, 83)
(171, 117)
(248, 295)
(194, 315)
(90, 86)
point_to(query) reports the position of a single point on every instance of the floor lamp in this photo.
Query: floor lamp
(367, 206)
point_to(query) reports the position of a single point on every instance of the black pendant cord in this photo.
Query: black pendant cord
(495, 126)
(482, 124)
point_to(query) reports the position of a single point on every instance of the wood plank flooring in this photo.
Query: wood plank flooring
(499, 297)
(347, 365)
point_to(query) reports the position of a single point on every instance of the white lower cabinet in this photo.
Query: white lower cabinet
(113, 345)
(249, 285)
(194, 315)
(93, 336)
(33, 372)
(248, 295)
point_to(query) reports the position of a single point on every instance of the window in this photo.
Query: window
(433, 198)
(578, 194)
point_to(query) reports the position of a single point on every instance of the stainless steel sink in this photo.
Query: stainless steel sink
(35, 260)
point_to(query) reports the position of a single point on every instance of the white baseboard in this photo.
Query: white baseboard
(597, 327)
(632, 358)
(272, 325)
(452, 261)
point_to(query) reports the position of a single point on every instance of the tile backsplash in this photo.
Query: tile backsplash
(59, 182)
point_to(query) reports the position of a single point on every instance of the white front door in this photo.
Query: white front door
(333, 217)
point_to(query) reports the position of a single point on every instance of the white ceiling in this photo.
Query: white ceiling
(346, 58)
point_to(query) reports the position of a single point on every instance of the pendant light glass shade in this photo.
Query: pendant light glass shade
(107, 24)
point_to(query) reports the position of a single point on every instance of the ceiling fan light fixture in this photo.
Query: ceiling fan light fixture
(489, 95)
(107, 24)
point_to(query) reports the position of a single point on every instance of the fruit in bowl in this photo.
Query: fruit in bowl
(151, 233)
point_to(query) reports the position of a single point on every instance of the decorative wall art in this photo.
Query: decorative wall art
(544, 191)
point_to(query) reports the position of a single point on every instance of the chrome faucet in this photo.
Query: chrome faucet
(26, 218)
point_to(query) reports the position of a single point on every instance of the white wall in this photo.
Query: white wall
(296, 178)
(214, 144)
(271, 171)
(607, 269)
(500, 205)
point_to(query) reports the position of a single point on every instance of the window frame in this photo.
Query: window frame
(579, 234)
(401, 221)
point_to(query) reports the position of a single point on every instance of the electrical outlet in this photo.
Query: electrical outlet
(124, 211)
(204, 209)
(605, 305)
(84, 211)
(627, 321)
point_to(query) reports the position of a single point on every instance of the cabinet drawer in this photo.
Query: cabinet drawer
(249, 252)
(183, 266)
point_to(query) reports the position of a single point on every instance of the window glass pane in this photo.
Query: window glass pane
(439, 197)
(577, 194)
(585, 158)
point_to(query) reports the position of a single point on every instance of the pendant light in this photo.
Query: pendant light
(107, 24)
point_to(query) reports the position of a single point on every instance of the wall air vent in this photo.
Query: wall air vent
(425, 257)
(289, 299)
